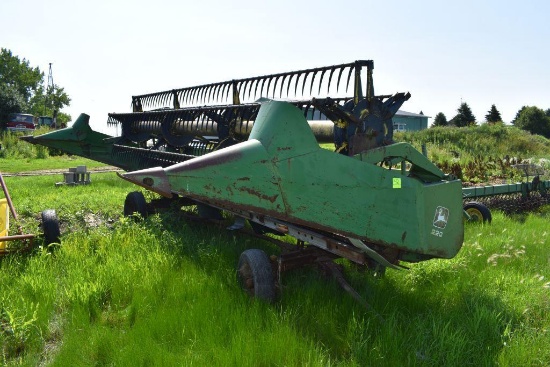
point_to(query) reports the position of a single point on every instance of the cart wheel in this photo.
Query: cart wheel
(50, 226)
(135, 204)
(255, 275)
(478, 212)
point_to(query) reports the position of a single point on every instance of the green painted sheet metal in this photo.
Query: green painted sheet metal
(81, 140)
(280, 171)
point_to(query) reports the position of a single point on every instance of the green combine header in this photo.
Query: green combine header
(372, 201)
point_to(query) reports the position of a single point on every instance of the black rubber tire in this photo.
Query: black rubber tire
(50, 227)
(478, 212)
(135, 204)
(255, 275)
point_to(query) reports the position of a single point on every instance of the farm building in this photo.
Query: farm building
(402, 120)
(408, 121)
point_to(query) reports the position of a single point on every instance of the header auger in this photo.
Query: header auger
(373, 201)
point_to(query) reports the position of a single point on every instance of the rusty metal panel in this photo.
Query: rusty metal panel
(281, 172)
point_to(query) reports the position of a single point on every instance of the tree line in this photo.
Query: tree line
(22, 90)
(530, 118)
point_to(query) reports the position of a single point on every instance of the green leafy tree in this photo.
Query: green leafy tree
(50, 103)
(493, 116)
(517, 114)
(534, 120)
(465, 117)
(19, 74)
(22, 90)
(440, 120)
(10, 101)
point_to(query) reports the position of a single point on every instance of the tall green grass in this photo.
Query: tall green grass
(13, 147)
(17, 155)
(482, 153)
(13, 165)
(485, 140)
(163, 292)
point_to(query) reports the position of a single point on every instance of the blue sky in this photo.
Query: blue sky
(103, 52)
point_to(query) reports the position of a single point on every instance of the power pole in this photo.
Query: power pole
(49, 88)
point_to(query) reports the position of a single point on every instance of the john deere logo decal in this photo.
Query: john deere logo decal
(441, 217)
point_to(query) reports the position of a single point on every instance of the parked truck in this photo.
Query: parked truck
(23, 122)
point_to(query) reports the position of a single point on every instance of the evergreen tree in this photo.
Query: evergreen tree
(440, 120)
(465, 116)
(493, 116)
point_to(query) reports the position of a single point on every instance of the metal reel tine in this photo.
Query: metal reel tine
(193, 95)
(295, 83)
(184, 96)
(196, 95)
(179, 96)
(250, 87)
(321, 80)
(275, 85)
(330, 77)
(268, 87)
(238, 86)
(204, 90)
(158, 100)
(304, 82)
(282, 84)
(227, 92)
(220, 92)
(351, 69)
(339, 77)
(262, 87)
(312, 82)
(257, 82)
(208, 94)
(205, 94)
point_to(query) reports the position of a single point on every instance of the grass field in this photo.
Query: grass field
(163, 292)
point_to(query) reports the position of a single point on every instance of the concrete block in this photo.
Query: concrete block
(68, 177)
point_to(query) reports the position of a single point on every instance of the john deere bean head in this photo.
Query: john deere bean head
(255, 152)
